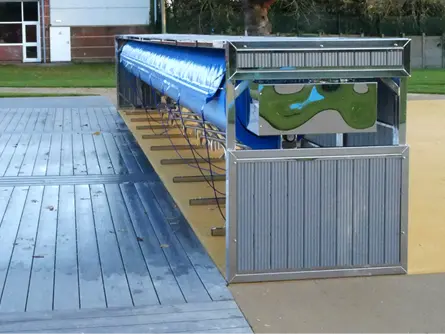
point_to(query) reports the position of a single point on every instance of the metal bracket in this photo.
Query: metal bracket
(189, 161)
(208, 201)
(218, 231)
(175, 148)
(391, 85)
(163, 136)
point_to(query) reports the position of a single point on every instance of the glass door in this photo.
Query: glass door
(31, 32)
(31, 42)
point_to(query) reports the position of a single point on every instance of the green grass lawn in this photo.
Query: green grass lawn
(14, 95)
(427, 82)
(103, 76)
(61, 76)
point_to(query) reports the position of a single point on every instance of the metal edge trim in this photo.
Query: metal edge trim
(404, 210)
(333, 157)
(315, 153)
(407, 57)
(319, 49)
(388, 82)
(231, 218)
(402, 106)
(317, 274)
(319, 73)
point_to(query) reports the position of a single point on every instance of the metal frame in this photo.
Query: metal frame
(235, 157)
(261, 127)
(38, 43)
(320, 60)
(307, 48)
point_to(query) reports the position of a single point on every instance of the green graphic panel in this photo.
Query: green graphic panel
(285, 110)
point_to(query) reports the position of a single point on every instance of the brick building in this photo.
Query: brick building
(67, 30)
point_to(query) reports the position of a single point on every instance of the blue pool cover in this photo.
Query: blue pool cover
(194, 78)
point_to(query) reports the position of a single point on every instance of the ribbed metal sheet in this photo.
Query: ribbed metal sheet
(246, 230)
(278, 196)
(318, 214)
(385, 136)
(317, 59)
(325, 140)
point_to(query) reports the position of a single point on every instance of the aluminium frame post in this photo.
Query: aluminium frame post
(401, 113)
(163, 16)
(231, 266)
(231, 202)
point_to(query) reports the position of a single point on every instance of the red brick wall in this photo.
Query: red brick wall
(97, 43)
(90, 44)
(46, 37)
(12, 53)
(87, 43)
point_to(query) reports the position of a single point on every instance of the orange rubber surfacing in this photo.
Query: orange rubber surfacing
(426, 137)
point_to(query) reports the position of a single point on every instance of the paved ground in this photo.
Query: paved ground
(110, 93)
(398, 304)
(425, 97)
(85, 223)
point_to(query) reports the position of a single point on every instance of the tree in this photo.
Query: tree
(304, 16)
(256, 18)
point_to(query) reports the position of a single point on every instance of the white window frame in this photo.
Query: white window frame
(38, 42)
(23, 43)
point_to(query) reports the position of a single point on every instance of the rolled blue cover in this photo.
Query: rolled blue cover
(194, 78)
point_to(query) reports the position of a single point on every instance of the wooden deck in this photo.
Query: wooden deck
(174, 161)
(213, 317)
(86, 223)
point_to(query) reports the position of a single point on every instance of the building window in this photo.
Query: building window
(10, 33)
(12, 17)
(30, 11)
(10, 12)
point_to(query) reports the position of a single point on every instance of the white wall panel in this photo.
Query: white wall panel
(99, 12)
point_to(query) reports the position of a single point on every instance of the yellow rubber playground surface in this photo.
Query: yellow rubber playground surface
(426, 137)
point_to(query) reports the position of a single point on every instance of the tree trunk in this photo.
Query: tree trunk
(256, 17)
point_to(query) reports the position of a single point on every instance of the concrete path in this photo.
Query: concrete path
(397, 304)
(425, 97)
(110, 93)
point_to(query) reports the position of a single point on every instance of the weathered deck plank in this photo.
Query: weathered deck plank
(66, 276)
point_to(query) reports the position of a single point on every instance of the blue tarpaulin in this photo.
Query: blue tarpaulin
(194, 78)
